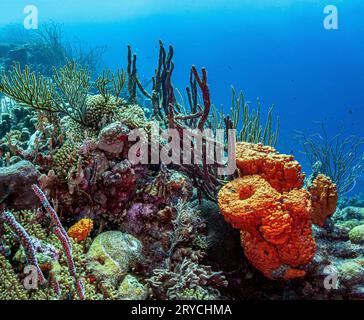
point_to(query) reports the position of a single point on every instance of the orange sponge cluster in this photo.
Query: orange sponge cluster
(269, 206)
(81, 230)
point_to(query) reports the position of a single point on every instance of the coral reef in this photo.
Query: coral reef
(132, 289)
(356, 235)
(14, 117)
(186, 281)
(96, 225)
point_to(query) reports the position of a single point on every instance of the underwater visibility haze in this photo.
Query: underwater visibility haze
(181, 150)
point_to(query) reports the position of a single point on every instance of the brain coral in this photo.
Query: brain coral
(269, 206)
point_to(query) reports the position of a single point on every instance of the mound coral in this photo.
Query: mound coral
(81, 230)
(269, 206)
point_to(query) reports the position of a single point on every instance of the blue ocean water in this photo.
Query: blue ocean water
(277, 50)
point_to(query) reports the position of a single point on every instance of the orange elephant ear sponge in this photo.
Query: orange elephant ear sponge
(324, 198)
(269, 206)
(81, 230)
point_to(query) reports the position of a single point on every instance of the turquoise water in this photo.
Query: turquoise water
(278, 51)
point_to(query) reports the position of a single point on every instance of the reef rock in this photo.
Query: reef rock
(350, 213)
(111, 256)
(351, 272)
(15, 186)
(113, 137)
(348, 225)
(132, 289)
(356, 235)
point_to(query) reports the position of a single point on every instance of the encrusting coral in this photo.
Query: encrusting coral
(10, 286)
(272, 210)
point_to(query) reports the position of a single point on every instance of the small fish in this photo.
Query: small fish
(350, 111)
(229, 67)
